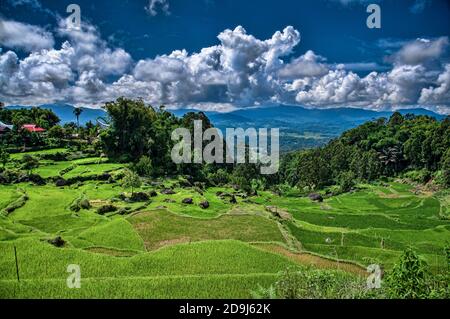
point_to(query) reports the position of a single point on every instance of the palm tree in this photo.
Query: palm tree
(391, 157)
(77, 112)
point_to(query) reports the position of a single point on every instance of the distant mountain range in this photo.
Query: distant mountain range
(299, 127)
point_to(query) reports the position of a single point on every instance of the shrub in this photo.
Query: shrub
(131, 180)
(218, 178)
(407, 280)
(29, 163)
(346, 181)
(144, 167)
(79, 204)
(419, 176)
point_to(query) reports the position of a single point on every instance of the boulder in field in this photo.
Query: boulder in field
(204, 204)
(153, 193)
(188, 201)
(168, 191)
(139, 197)
(60, 182)
(57, 241)
(102, 210)
(316, 197)
(84, 204)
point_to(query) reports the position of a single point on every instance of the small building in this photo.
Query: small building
(33, 128)
(4, 128)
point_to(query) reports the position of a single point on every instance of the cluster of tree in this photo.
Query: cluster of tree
(55, 135)
(376, 149)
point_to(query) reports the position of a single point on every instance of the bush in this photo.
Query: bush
(419, 176)
(346, 181)
(446, 168)
(218, 178)
(407, 280)
(144, 167)
(79, 204)
(29, 163)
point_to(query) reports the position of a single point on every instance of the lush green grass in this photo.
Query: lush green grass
(18, 156)
(92, 169)
(167, 249)
(160, 287)
(161, 228)
(205, 269)
(118, 234)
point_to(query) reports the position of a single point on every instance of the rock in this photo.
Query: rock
(153, 193)
(60, 182)
(316, 197)
(204, 204)
(139, 197)
(161, 207)
(84, 204)
(168, 191)
(188, 201)
(57, 241)
(102, 210)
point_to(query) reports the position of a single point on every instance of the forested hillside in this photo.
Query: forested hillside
(415, 146)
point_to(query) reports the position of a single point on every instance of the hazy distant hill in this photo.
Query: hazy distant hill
(299, 127)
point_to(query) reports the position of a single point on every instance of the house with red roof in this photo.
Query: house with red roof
(33, 128)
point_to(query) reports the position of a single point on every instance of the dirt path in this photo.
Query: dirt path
(312, 260)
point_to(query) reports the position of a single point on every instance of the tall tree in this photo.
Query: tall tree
(77, 112)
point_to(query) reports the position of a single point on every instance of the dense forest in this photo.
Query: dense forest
(415, 147)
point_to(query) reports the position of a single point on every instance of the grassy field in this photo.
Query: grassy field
(162, 248)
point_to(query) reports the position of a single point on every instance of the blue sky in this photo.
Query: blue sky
(323, 56)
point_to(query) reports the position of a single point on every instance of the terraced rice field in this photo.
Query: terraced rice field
(166, 249)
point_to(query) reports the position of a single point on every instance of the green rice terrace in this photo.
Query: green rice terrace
(170, 239)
